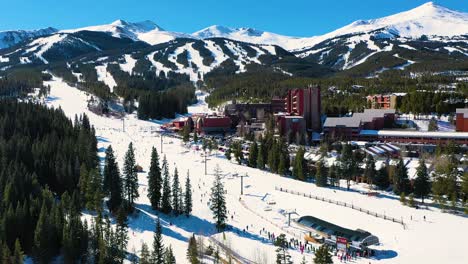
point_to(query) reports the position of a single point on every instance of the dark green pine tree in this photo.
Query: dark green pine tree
(218, 201)
(298, 169)
(5, 253)
(282, 254)
(347, 164)
(381, 178)
(176, 207)
(195, 136)
(192, 250)
(169, 257)
(422, 184)
(260, 160)
(42, 244)
(401, 182)
(272, 157)
(369, 170)
(130, 176)
(112, 181)
(282, 165)
(253, 153)
(228, 153)
(332, 175)
(145, 255)
(238, 154)
(154, 180)
(158, 246)
(166, 191)
(320, 176)
(121, 236)
(18, 254)
(186, 133)
(323, 256)
(188, 196)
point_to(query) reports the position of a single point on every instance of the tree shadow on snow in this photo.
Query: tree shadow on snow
(102, 139)
(146, 220)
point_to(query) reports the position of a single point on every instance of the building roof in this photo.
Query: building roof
(463, 111)
(415, 134)
(332, 229)
(342, 121)
(354, 121)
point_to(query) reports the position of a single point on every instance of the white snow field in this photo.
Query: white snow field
(439, 239)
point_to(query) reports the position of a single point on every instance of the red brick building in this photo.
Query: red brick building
(384, 101)
(306, 103)
(462, 119)
(212, 124)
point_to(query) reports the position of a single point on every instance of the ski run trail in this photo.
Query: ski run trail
(441, 238)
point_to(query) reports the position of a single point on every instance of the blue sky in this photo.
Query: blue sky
(287, 17)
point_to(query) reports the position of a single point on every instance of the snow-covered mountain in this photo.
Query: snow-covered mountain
(13, 37)
(248, 35)
(421, 36)
(146, 31)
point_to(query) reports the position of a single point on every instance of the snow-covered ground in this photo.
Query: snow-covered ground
(439, 239)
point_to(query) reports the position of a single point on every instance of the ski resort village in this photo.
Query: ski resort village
(129, 143)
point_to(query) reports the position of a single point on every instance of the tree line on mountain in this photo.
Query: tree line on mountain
(20, 82)
(42, 153)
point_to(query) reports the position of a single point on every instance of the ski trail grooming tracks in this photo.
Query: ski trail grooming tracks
(238, 258)
(362, 210)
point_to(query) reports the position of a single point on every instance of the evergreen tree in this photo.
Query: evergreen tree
(18, 255)
(238, 154)
(228, 153)
(282, 254)
(130, 177)
(282, 165)
(188, 196)
(121, 236)
(166, 195)
(186, 133)
(175, 193)
(112, 181)
(218, 201)
(192, 251)
(332, 175)
(422, 185)
(401, 182)
(169, 257)
(369, 170)
(347, 164)
(299, 165)
(195, 136)
(403, 198)
(323, 256)
(145, 255)
(320, 176)
(158, 246)
(260, 160)
(42, 244)
(154, 180)
(253, 153)
(381, 178)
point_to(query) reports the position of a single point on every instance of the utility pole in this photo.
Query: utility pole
(123, 123)
(161, 143)
(205, 162)
(242, 183)
(289, 216)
